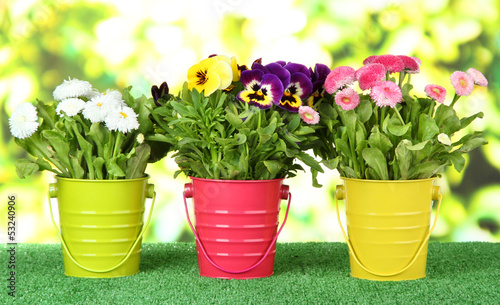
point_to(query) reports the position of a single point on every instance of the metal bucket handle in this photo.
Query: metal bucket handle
(188, 193)
(150, 193)
(340, 195)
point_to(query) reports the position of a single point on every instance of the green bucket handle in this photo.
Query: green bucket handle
(340, 195)
(150, 193)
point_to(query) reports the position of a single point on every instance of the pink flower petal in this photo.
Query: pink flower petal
(391, 62)
(410, 65)
(338, 78)
(462, 82)
(347, 99)
(436, 92)
(386, 93)
(478, 77)
(308, 115)
(369, 75)
(370, 59)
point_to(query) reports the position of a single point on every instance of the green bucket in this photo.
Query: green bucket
(101, 224)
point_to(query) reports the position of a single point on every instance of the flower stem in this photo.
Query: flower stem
(455, 99)
(399, 116)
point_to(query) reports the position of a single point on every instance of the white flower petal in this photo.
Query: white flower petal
(70, 106)
(72, 88)
(24, 121)
(444, 139)
(123, 120)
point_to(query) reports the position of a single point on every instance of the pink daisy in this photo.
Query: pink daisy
(386, 93)
(478, 77)
(417, 60)
(308, 115)
(410, 65)
(369, 75)
(462, 82)
(436, 92)
(370, 59)
(391, 62)
(338, 78)
(347, 99)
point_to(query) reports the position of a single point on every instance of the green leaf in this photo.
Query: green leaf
(113, 168)
(377, 161)
(403, 157)
(25, 167)
(77, 168)
(466, 121)
(332, 163)
(426, 169)
(472, 144)
(364, 110)
(98, 164)
(273, 166)
(309, 161)
(457, 160)
(294, 123)
(427, 127)
(395, 128)
(137, 164)
(379, 140)
(234, 120)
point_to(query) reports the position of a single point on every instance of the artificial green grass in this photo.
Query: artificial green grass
(304, 273)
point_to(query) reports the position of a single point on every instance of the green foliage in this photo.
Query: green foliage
(219, 137)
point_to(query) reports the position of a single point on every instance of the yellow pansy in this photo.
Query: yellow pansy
(234, 65)
(209, 75)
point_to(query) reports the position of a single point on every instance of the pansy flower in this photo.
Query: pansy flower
(318, 77)
(260, 89)
(275, 68)
(209, 75)
(299, 88)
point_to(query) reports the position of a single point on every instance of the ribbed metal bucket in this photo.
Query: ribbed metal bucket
(388, 225)
(101, 224)
(236, 225)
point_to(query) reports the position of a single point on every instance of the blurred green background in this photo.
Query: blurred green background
(113, 44)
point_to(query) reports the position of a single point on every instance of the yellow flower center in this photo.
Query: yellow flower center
(99, 104)
(123, 114)
(308, 116)
(346, 100)
(463, 83)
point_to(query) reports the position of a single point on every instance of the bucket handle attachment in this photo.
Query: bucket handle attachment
(150, 193)
(188, 193)
(340, 195)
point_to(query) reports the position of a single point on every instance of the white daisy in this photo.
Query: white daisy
(99, 106)
(123, 120)
(71, 106)
(114, 93)
(72, 88)
(24, 121)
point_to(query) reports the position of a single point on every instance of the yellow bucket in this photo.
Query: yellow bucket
(388, 224)
(101, 224)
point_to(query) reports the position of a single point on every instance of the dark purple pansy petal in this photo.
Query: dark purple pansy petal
(300, 85)
(293, 68)
(321, 71)
(272, 87)
(280, 72)
(251, 78)
(259, 66)
(281, 62)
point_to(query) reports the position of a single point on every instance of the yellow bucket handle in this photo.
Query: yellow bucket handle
(339, 195)
(63, 242)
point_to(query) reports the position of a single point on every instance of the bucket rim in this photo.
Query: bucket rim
(145, 177)
(235, 181)
(388, 181)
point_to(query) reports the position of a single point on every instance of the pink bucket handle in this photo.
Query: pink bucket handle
(188, 193)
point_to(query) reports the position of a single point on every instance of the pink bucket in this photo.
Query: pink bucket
(236, 225)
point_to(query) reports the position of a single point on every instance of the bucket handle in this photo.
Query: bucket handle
(188, 193)
(150, 193)
(340, 195)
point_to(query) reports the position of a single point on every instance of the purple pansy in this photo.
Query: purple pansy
(261, 89)
(300, 87)
(318, 77)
